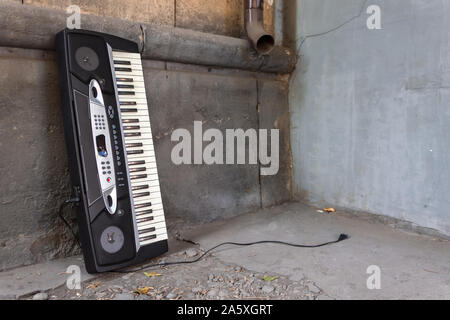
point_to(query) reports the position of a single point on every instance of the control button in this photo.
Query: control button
(108, 179)
(120, 212)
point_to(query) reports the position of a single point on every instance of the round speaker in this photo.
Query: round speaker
(112, 239)
(87, 58)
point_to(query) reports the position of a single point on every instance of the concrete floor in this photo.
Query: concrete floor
(412, 266)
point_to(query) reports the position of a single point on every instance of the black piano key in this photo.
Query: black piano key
(122, 62)
(134, 145)
(131, 127)
(132, 134)
(125, 86)
(131, 152)
(136, 163)
(142, 205)
(153, 236)
(126, 93)
(142, 194)
(150, 229)
(143, 187)
(124, 80)
(148, 211)
(120, 69)
(142, 220)
(130, 120)
(133, 170)
(138, 176)
(128, 110)
(128, 103)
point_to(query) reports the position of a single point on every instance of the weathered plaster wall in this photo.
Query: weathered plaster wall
(370, 109)
(224, 17)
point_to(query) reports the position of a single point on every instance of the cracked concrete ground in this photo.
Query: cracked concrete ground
(412, 266)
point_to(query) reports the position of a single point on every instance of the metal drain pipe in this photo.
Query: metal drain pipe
(262, 41)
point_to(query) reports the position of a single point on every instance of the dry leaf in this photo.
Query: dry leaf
(93, 285)
(142, 290)
(329, 210)
(268, 278)
(152, 274)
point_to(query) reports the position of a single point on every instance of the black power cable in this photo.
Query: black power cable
(342, 237)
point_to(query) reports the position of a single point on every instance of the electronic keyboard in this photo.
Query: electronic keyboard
(110, 147)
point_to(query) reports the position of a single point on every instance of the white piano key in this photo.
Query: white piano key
(130, 89)
(122, 54)
(150, 223)
(135, 96)
(153, 198)
(148, 142)
(123, 63)
(144, 200)
(156, 225)
(149, 177)
(155, 213)
(147, 180)
(130, 79)
(151, 189)
(132, 116)
(126, 68)
(142, 99)
(158, 238)
(137, 138)
(139, 106)
(130, 111)
(144, 126)
(147, 155)
(134, 73)
(144, 235)
(144, 148)
(136, 84)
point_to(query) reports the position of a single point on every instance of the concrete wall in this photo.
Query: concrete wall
(33, 162)
(370, 109)
(224, 17)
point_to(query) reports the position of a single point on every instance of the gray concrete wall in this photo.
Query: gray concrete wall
(370, 109)
(33, 163)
